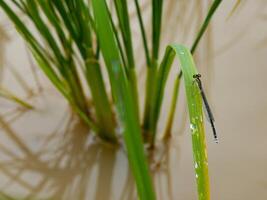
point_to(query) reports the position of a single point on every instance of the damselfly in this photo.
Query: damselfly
(206, 105)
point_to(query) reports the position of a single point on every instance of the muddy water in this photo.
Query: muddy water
(47, 153)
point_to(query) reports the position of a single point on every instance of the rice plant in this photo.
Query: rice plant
(71, 41)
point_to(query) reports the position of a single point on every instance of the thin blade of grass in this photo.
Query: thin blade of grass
(123, 17)
(104, 114)
(118, 42)
(123, 99)
(205, 24)
(156, 27)
(194, 103)
(150, 92)
(143, 33)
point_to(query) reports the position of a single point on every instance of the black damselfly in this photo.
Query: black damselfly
(206, 105)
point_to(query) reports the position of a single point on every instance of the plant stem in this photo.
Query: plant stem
(167, 132)
(105, 119)
(203, 27)
(149, 98)
(152, 72)
(123, 17)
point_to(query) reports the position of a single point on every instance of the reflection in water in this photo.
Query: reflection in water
(69, 163)
(160, 161)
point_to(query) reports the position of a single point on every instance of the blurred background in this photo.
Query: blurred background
(46, 154)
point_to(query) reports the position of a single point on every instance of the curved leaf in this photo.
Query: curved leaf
(194, 103)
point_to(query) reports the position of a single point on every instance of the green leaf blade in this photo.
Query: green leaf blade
(124, 101)
(194, 103)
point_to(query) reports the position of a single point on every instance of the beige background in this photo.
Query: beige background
(236, 82)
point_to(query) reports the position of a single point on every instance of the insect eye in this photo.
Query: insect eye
(196, 76)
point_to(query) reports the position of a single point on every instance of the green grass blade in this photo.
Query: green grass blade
(104, 114)
(143, 32)
(123, 99)
(156, 27)
(118, 42)
(33, 12)
(132, 135)
(205, 24)
(194, 103)
(61, 9)
(151, 81)
(106, 36)
(50, 14)
(123, 17)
